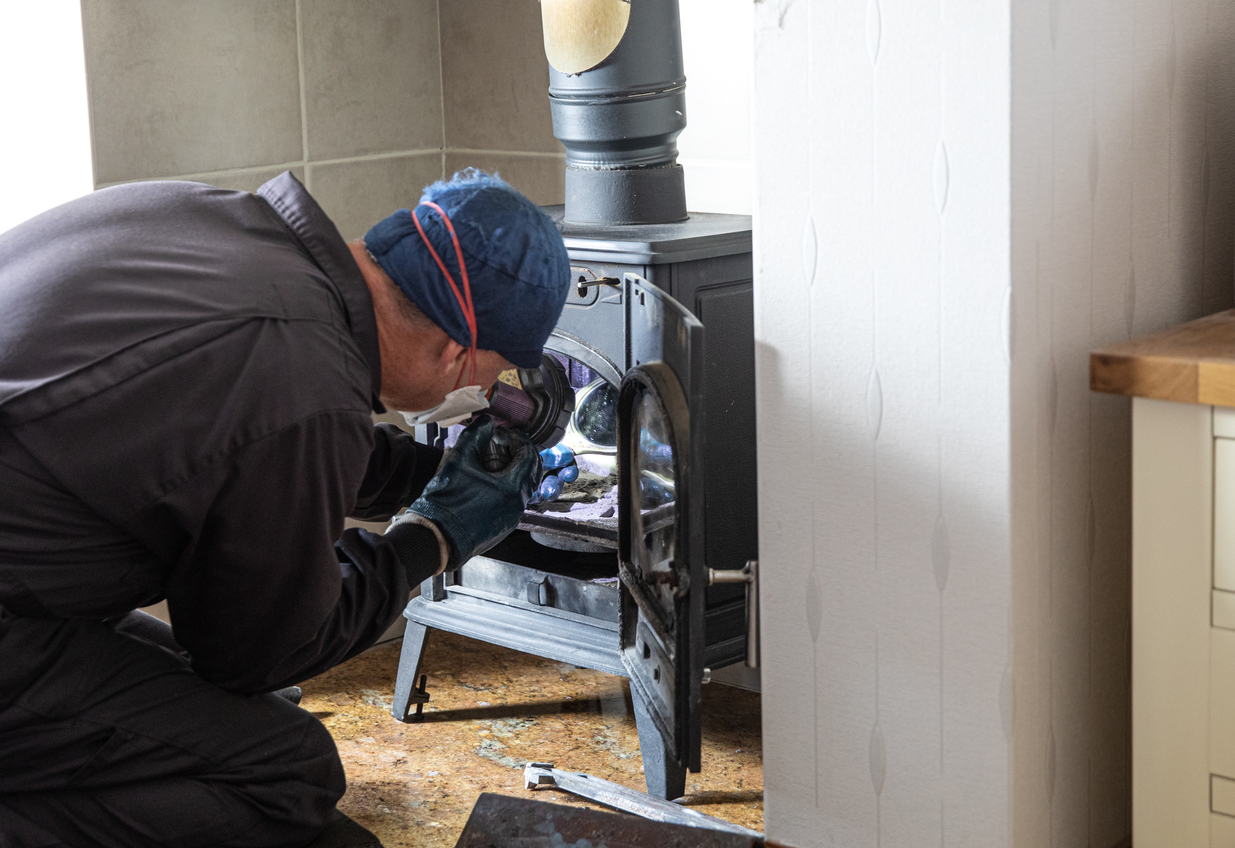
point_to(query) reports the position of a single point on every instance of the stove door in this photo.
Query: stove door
(660, 514)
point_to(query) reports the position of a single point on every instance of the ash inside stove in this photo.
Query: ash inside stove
(591, 496)
(586, 525)
(583, 518)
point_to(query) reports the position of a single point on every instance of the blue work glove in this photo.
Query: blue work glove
(474, 508)
(558, 466)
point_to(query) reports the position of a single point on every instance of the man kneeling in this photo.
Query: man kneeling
(187, 377)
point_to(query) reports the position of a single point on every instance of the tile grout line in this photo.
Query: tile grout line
(526, 154)
(369, 157)
(304, 115)
(375, 157)
(441, 83)
(278, 166)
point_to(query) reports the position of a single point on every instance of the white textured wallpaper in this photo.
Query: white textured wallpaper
(956, 201)
(882, 299)
(1123, 141)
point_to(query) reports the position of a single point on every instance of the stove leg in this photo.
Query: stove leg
(665, 778)
(408, 690)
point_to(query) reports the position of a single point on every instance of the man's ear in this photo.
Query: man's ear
(452, 354)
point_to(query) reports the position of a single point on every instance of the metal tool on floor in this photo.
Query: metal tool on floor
(500, 820)
(628, 800)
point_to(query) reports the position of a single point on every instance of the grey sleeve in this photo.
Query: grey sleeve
(267, 597)
(398, 471)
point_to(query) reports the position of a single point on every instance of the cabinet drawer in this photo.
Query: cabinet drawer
(1224, 422)
(1224, 514)
(1222, 705)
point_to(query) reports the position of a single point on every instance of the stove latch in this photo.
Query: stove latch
(588, 283)
(540, 592)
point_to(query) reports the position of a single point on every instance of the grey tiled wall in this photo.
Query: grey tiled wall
(495, 81)
(542, 177)
(357, 193)
(191, 87)
(367, 101)
(495, 76)
(372, 78)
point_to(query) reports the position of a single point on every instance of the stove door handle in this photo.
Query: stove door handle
(750, 576)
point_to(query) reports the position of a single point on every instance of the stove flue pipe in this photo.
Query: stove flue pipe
(617, 91)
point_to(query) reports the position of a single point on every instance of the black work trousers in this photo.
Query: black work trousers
(108, 738)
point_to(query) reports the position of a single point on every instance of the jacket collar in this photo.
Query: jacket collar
(321, 238)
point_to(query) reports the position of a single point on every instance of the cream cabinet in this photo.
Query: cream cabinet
(1182, 384)
(1183, 625)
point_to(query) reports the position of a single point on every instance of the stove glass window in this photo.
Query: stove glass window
(595, 416)
(653, 468)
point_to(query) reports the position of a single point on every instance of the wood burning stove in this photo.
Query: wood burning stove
(663, 315)
(659, 326)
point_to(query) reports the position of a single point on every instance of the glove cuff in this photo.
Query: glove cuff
(416, 543)
(459, 541)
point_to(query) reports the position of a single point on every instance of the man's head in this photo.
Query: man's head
(517, 269)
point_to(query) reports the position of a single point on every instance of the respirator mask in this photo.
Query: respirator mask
(537, 402)
(457, 407)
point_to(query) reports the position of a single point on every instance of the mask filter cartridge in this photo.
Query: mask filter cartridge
(535, 401)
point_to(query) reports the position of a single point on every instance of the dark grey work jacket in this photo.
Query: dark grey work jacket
(186, 380)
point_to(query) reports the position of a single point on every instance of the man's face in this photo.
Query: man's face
(420, 363)
(428, 391)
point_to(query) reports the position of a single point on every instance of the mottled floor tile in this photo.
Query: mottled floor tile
(491, 711)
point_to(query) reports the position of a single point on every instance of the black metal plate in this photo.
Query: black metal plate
(661, 569)
(600, 531)
(499, 820)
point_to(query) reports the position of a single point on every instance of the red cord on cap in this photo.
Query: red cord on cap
(469, 311)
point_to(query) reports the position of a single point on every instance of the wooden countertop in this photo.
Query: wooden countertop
(1191, 363)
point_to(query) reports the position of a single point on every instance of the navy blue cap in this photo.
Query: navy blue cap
(516, 263)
